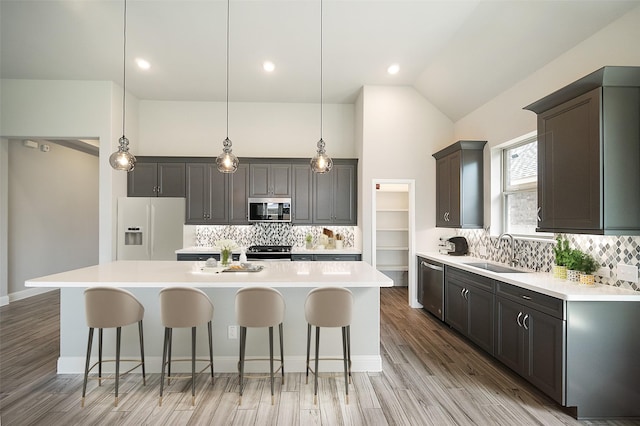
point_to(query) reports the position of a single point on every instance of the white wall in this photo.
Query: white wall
(503, 119)
(401, 130)
(256, 129)
(53, 213)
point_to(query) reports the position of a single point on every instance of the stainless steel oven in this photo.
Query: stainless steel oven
(269, 253)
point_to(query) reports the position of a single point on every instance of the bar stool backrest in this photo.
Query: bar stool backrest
(329, 307)
(109, 307)
(259, 307)
(184, 307)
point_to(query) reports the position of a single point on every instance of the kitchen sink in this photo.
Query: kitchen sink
(494, 268)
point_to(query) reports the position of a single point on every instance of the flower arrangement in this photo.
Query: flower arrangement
(226, 246)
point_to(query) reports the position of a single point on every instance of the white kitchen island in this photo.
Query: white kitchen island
(293, 279)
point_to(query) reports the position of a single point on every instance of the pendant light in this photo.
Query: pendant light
(122, 159)
(321, 163)
(227, 162)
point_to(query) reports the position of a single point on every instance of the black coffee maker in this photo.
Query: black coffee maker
(460, 246)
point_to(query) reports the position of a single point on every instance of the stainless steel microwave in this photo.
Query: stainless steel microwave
(269, 209)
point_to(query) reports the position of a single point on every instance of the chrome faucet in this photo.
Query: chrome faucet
(512, 248)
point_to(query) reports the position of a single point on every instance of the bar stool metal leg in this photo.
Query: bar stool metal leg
(344, 361)
(193, 366)
(315, 384)
(169, 357)
(86, 365)
(165, 348)
(281, 351)
(210, 348)
(349, 350)
(271, 363)
(144, 377)
(118, 337)
(308, 349)
(243, 341)
(100, 356)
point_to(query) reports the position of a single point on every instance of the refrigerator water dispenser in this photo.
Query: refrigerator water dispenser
(133, 237)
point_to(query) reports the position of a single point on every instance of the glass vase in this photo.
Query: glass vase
(226, 257)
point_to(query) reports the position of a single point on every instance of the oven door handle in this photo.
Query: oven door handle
(430, 266)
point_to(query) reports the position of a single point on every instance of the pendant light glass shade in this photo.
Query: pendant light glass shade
(122, 159)
(321, 162)
(227, 162)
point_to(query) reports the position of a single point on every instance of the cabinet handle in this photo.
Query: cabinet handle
(518, 319)
(538, 214)
(524, 322)
(526, 297)
(430, 266)
(462, 292)
(466, 294)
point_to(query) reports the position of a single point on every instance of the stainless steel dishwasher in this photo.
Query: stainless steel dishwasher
(431, 286)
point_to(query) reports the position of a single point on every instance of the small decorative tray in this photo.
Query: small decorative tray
(244, 268)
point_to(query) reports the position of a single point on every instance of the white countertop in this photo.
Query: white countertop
(542, 282)
(158, 274)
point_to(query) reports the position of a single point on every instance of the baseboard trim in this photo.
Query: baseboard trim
(225, 364)
(29, 292)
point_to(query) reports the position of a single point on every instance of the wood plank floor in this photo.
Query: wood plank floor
(431, 376)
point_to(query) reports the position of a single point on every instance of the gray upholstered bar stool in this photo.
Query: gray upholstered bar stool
(329, 307)
(111, 307)
(259, 307)
(183, 307)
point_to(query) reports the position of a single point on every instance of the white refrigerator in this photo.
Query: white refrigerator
(149, 228)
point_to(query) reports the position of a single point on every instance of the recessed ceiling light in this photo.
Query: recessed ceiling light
(143, 64)
(268, 66)
(393, 69)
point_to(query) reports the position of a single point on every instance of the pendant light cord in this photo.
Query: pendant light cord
(228, 2)
(124, 66)
(321, 70)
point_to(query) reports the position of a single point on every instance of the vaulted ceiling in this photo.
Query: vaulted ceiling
(458, 54)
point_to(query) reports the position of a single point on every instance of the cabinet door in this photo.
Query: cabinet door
(197, 188)
(238, 190)
(442, 191)
(259, 180)
(218, 196)
(337, 257)
(171, 180)
(455, 190)
(323, 198)
(280, 180)
(569, 169)
(344, 194)
(301, 194)
(545, 339)
(480, 305)
(142, 180)
(456, 306)
(510, 342)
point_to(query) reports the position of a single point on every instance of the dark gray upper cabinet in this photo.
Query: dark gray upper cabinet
(459, 185)
(153, 178)
(302, 201)
(335, 194)
(270, 179)
(589, 155)
(207, 194)
(238, 190)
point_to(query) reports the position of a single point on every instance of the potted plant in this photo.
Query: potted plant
(588, 267)
(574, 264)
(561, 251)
(309, 241)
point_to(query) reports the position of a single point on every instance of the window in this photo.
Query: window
(519, 187)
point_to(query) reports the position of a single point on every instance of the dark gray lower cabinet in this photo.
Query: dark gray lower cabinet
(203, 256)
(532, 343)
(326, 257)
(469, 306)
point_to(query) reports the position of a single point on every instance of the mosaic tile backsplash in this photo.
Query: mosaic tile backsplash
(268, 234)
(538, 255)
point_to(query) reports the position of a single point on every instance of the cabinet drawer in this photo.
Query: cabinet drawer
(465, 278)
(532, 299)
(302, 257)
(337, 257)
(198, 256)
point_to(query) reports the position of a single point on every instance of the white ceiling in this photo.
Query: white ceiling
(458, 54)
